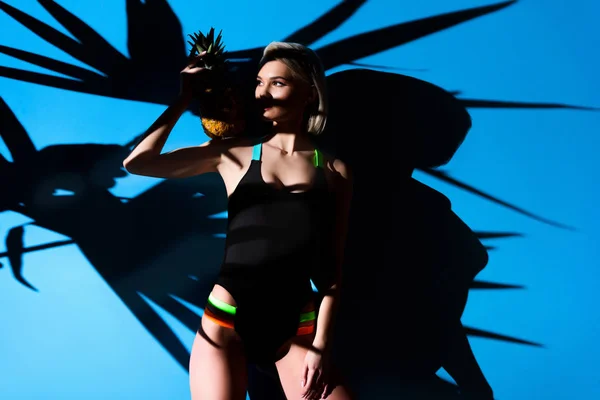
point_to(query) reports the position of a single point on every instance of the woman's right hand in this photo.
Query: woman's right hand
(193, 78)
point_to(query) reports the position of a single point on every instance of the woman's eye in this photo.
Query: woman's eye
(276, 83)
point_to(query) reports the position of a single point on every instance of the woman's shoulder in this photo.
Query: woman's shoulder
(334, 164)
(234, 143)
(236, 148)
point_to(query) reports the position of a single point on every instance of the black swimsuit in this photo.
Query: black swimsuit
(277, 241)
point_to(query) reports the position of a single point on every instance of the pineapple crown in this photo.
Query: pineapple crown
(215, 50)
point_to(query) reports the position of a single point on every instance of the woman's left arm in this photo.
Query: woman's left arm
(342, 188)
(315, 374)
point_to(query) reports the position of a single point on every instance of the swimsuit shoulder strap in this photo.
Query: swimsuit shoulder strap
(257, 151)
(318, 159)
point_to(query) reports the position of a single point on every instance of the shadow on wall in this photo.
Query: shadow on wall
(165, 245)
(410, 260)
(128, 77)
(411, 256)
(153, 28)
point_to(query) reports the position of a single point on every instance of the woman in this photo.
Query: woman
(287, 220)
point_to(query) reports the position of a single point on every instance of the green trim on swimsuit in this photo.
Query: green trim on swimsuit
(308, 316)
(221, 305)
(318, 159)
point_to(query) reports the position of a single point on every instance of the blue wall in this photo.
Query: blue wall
(74, 338)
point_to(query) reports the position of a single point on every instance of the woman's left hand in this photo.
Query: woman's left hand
(315, 374)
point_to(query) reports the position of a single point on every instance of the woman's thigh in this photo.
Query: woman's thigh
(217, 364)
(290, 369)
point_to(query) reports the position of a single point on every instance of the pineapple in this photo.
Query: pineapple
(221, 108)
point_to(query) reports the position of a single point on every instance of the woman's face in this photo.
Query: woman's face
(281, 97)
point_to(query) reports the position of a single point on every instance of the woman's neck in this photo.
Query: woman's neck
(289, 143)
(289, 138)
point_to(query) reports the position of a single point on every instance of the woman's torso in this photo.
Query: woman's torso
(279, 220)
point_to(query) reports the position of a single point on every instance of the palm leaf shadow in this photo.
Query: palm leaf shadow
(459, 184)
(374, 42)
(496, 235)
(162, 243)
(20, 146)
(14, 252)
(496, 336)
(326, 23)
(122, 79)
(103, 58)
(478, 103)
(14, 135)
(312, 32)
(122, 75)
(492, 285)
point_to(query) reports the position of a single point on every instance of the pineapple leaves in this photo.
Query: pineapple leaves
(214, 47)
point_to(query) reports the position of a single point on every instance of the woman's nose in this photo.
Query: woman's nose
(262, 92)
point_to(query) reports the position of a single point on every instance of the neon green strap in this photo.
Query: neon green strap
(229, 309)
(308, 316)
(221, 305)
(318, 160)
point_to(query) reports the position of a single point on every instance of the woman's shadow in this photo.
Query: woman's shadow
(410, 260)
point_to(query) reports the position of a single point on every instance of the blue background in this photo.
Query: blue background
(75, 339)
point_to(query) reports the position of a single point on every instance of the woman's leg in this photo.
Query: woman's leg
(290, 372)
(217, 363)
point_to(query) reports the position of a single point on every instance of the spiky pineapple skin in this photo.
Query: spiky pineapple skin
(218, 129)
(220, 111)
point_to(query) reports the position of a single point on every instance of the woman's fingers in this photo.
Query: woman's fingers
(192, 70)
(325, 392)
(196, 58)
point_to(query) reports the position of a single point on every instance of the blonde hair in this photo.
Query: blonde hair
(304, 64)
